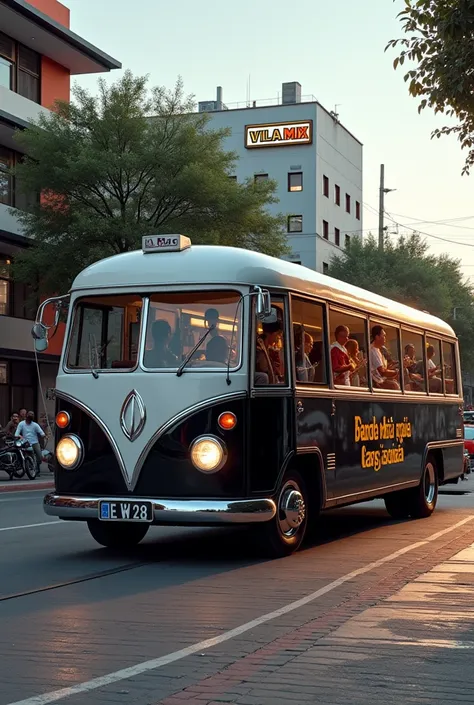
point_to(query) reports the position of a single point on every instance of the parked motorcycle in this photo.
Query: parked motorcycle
(17, 458)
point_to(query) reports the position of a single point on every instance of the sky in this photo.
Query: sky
(336, 51)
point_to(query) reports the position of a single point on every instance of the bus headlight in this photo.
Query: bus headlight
(208, 454)
(69, 452)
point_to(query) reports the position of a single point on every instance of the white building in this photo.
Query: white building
(316, 161)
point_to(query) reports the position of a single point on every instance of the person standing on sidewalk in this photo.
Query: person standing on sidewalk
(11, 426)
(34, 434)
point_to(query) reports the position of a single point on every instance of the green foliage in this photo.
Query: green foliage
(440, 41)
(406, 272)
(126, 163)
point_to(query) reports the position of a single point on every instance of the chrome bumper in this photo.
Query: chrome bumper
(168, 511)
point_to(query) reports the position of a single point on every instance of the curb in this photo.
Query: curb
(26, 486)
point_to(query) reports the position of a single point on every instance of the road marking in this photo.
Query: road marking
(152, 665)
(30, 526)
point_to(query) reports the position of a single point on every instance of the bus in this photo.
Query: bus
(207, 385)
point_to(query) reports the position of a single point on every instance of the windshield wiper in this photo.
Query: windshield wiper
(191, 352)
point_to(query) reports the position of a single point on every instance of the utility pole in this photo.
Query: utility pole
(382, 192)
(381, 204)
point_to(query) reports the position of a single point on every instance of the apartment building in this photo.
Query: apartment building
(38, 55)
(316, 161)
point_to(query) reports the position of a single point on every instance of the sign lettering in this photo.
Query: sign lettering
(385, 430)
(285, 134)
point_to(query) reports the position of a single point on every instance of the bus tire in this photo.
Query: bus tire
(397, 505)
(285, 532)
(117, 535)
(424, 497)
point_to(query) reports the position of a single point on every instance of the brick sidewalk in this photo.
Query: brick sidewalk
(406, 637)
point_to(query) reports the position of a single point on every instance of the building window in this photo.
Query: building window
(326, 186)
(5, 286)
(347, 240)
(295, 181)
(337, 195)
(348, 203)
(6, 178)
(295, 223)
(325, 268)
(260, 177)
(337, 236)
(325, 230)
(357, 210)
(3, 372)
(20, 68)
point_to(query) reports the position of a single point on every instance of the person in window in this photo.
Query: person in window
(161, 355)
(436, 383)
(217, 350)
(382, 376)
(411, 370)
(305, 371)
(268, 361)
(340, 360)
(11, 426)
(34, 434)
(355, 356)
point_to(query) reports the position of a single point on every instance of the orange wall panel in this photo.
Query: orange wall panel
(55, 82)
(56, 340)
(53, 9)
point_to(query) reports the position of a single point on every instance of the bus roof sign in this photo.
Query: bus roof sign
(165, 243)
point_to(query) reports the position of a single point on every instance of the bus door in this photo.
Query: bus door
(314, 405)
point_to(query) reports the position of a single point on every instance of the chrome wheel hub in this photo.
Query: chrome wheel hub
(291, 509)
(430, 483)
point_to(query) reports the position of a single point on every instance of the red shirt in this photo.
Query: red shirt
(339, 358)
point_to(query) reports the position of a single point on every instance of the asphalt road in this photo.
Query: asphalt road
(72, 612)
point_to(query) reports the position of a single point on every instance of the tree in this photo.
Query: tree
(406, 272)
(441, 42)
(125, 163)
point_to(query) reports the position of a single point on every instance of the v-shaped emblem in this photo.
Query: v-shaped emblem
(133, 415)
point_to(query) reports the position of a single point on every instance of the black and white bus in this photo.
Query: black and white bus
(203, 385)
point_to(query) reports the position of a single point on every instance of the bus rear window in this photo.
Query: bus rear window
(178, 321)
(104, 333)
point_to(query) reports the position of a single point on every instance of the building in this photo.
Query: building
(316, 161)
(38, 55)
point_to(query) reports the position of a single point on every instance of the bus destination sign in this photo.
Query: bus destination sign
(165, 243)
(283, 134)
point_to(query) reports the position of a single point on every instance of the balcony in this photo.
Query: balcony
(9, 224)
(16, 112)
(15, 333)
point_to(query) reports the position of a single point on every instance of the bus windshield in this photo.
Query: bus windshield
(105, 331)
(177, 322)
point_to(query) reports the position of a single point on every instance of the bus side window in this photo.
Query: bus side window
(414, 378)
(450, 369)
(270, 357)
(349, 349)
(384, 356)
(434, 368)
(309, 341)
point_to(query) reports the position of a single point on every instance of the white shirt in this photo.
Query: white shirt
(377, 360)
(31, 431)
(431, 364)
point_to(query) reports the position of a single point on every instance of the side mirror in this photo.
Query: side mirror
(264, 304)
(39, 333)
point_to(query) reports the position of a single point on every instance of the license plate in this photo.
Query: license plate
(125, 511)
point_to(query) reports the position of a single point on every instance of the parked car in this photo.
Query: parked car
(469, 444)
(468, 416)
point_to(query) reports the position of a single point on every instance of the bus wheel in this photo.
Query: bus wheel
(284, 534)
(117, 535)
(424, 497)
(397, 505)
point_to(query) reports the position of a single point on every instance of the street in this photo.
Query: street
(373, 610)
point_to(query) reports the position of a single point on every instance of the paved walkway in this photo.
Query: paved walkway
(385, 645)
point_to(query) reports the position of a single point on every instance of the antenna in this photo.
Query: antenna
(334, 113)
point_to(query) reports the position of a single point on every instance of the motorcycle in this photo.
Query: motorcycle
(16, 459)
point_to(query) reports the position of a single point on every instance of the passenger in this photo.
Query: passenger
(411, 370)
(355, 356)
(382, 376)
(305, 371)
(267, 362)
(211, 318)
(435, 382)
(161, 355)
(11, 426)
(340, 360)
(217, 350)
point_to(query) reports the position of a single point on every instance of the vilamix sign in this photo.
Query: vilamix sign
(282, 134)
